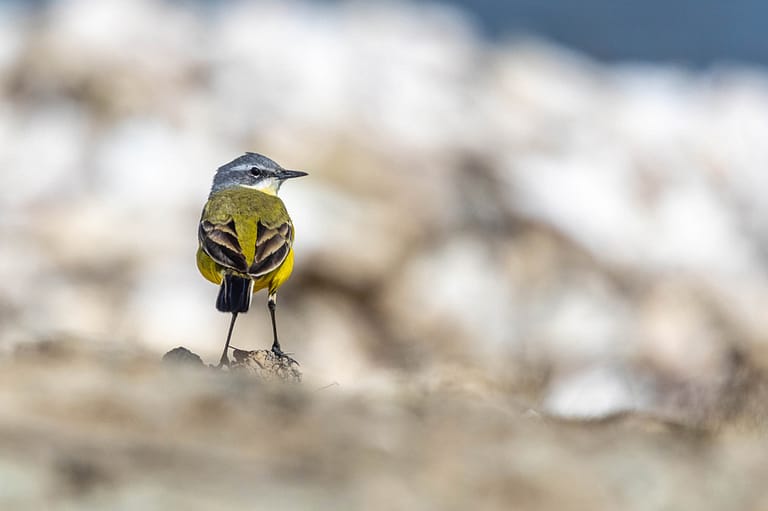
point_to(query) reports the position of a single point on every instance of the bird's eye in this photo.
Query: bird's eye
(255, 171)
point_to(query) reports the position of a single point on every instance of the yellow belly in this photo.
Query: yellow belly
(214, 272)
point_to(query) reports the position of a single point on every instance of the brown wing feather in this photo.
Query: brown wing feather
(219, 241)
(272, 247)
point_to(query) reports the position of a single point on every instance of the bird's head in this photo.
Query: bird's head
(253, 170)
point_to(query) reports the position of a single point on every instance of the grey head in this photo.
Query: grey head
(252, 170)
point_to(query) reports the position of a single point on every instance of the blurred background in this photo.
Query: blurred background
(569, 193)
(554, 203)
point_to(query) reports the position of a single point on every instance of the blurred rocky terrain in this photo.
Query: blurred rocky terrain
(521, 276)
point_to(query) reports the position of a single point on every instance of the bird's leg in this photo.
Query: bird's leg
(272, 304)
(224, 361)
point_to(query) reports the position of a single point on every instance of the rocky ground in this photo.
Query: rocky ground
(103, 428)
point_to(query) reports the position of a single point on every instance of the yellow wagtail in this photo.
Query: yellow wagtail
(246, 237)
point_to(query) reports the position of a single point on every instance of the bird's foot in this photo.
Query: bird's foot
(223, 362)
(279, 354)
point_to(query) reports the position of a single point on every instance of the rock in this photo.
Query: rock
(182, 356)
(267, 366)
(263, 364)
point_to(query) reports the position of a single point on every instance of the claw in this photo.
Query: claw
(279, 353)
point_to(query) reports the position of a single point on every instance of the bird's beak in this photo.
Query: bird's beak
(289, 174)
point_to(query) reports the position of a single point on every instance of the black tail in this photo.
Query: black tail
(234, 294)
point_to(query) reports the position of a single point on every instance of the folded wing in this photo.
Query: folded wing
(272, 247)
(219, 240)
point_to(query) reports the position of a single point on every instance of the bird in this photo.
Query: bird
(245, 238)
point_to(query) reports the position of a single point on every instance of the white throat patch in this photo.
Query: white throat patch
(268, 185)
